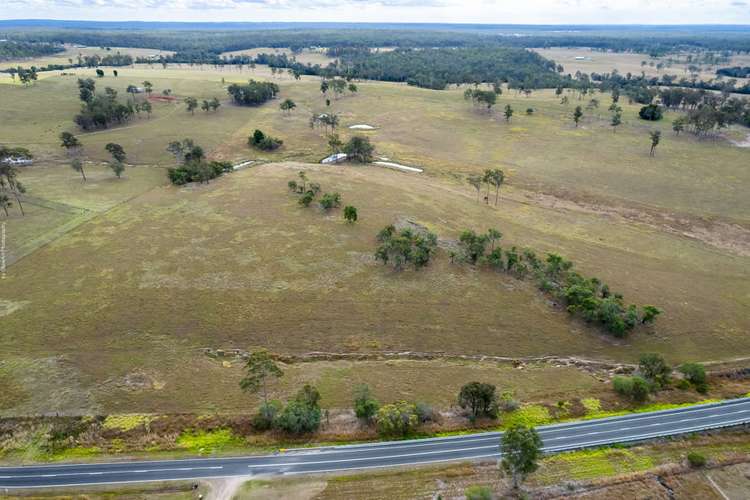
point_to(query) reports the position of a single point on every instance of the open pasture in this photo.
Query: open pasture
(72, 52)
(305, 56)
(121, 305)
(595, 61)
(131, 277)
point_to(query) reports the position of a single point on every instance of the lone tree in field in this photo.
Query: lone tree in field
(655, 138)
(148, 87)
(679, 125)
(521, 447)
(71, 144)
(258, 369)
(655, 369)
(117, 152)
(334, 143)
(508, 112)
(616, 121)
(287, 106)
(359, 149)
(577, 115)
(495, 177)
(5, 203)
(191, 103)
(77, 165)
(476, 182)
(118, 155)
(479, 398)
(350, 214)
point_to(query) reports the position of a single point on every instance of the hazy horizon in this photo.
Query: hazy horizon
(532, 12)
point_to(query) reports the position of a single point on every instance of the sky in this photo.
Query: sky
(442, 11)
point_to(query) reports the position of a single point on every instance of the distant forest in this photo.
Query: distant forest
(20, 50)
(652, 40)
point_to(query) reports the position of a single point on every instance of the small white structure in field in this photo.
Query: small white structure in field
(362, 127)
(17, 161)
(337, 158)
(397, 166)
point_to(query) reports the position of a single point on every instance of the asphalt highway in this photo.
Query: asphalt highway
(556, 438)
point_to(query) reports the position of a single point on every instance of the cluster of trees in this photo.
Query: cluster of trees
(95, 60)
(588, 297)
(308, 191)
(10, 187)
(436, 68)
(493, 177)
(254, 93)
(193, 165)
(399, 248)
(263, 141)
(324, 120)
(301, 415)
(485, 98)
(338, 86)
(100, 110)
(654, 374)
(398, 419)
(712, 116)
(25, 76)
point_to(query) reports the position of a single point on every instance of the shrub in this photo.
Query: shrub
(508, 402)
(365, 405)
(266, 415)
(350, 213)
(297, 417)
(654, 368)
(635, 388)
(330, 200)
(425, 413)
(696, 459)
(478, 493)
(397, 419)
(405, 247)
(307, 198)
(264, 142)
(651, 112)
(694, 373)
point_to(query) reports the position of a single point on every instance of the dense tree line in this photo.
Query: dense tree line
(650, 40)
(639, 87)
(589, 298)
(21, 50)
(735, 72)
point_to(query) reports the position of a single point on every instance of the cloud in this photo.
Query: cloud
(226, 4)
